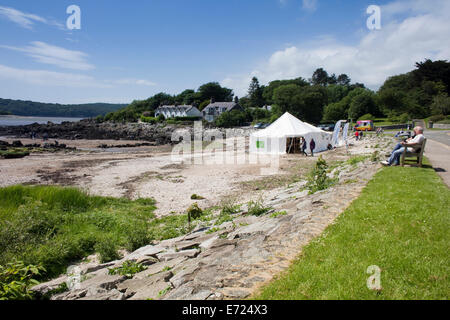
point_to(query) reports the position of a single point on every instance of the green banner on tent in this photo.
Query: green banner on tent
(259, 144)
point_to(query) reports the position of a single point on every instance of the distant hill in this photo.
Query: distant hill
(39, 109)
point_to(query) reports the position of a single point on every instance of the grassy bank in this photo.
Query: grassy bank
(400, 224)
(54, 227)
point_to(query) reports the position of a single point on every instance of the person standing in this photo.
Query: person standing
(312, 146)
(304, 147)
(357, 135)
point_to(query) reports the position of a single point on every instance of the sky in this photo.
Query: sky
(131, 50)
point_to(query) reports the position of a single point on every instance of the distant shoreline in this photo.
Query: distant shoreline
(13, 120)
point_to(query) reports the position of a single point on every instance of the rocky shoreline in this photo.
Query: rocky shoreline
(91, 130)
(88, 129)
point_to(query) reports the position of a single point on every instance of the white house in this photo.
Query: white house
(178, 111)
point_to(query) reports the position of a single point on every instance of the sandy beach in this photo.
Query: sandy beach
(142, 172)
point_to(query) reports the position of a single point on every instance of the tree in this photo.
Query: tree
(255, 94)
(187, 97)
(441, 105)
(233, 118)
(320, 77)
(332, 79)
(336, 111)
(436, 71)
(363, 103)
(305, 103)
(269, 90)
(343, 80)
(216, 91)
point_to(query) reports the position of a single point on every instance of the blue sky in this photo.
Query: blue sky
(129, 50)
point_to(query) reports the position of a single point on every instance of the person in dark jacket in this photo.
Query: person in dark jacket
(312, 146)
(304, 147)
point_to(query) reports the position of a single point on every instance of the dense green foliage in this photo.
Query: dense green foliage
(38, 109)
(408, 240)
(324, 98)
(54, 226)
(16, 279)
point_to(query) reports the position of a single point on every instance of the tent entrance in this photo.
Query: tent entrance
(293, 145)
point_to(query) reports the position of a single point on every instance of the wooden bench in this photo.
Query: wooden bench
(418, 156)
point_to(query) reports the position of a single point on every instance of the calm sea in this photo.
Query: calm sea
(23, 121)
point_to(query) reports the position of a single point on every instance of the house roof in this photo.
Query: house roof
(185, 107)
(228, 105)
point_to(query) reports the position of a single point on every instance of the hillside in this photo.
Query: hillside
(39, 109)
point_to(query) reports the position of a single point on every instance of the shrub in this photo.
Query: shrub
(197, 197)
(138, 238)
(375, 157)
(15, 280)
(127, 269)
(256, 208)
(150, 120)
(107, 249)
(229, 207)
(318, 179)
(194, 211)
(437, 118)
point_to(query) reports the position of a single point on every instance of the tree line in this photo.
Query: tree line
(323, 98)
(39, 109)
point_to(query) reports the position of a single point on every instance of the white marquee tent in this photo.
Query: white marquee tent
(273, 140)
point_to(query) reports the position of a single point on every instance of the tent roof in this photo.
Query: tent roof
(288, 126)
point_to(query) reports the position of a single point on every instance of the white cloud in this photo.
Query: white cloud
(53, 55)
(394, 49)
(25, 20)
(309, 5)
(49, 78)
(139, 82)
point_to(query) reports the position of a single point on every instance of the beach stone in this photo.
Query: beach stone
(160, 266)
(235, 293)
(106, 295)
(144, 286)
(260, 227)
(182, 293)
(92, 267)
(192, 253)
(107, 282)
(145, 252)
(44, 288)
(184, 276)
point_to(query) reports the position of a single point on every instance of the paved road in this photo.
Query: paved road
(438, 151)
(439, 136)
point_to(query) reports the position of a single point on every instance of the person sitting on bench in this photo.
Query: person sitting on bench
(413, 145)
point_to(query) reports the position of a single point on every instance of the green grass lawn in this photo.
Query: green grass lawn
(400, 223)
(54, 227)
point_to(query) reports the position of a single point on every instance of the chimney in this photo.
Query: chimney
(213, 100)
